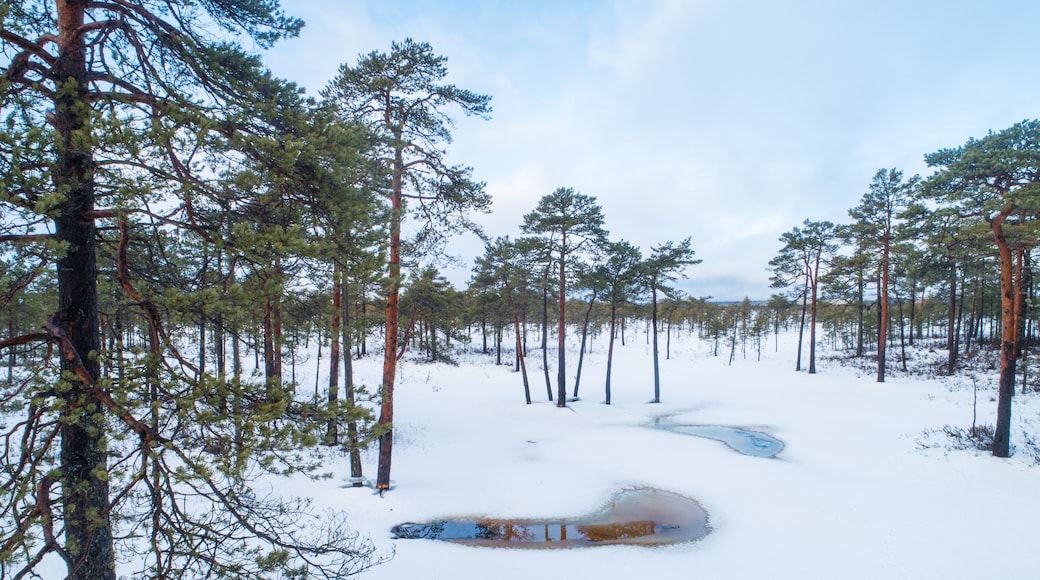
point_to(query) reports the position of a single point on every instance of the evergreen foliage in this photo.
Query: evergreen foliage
(158, 170)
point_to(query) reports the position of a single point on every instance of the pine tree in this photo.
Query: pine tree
(996, 179)
(130, 114)
(400, 97)
(665, 263)
(569, 223)
(878, 217)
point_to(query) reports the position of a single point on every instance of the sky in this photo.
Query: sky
(729, 122)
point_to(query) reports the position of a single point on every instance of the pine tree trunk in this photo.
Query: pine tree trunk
(202, 343)
(584, 335)
(353, 441)
(610, 347)
(801, 325)
(1022, 282)
(861, 310)
(657, 365)
(483, 334)
(733, 342)
(1009, 336)
(498, 344)
(332, 428)
(951, 331)
(902, 333)
(545, 341)
(883, 311)
(84, 461)
(913, 313)
(386, 408)
(519, 347)
(561, 329)
(668, 339)
(812, 317)
(219, 332)
(269, 365)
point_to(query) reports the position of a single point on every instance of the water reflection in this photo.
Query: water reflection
(740, 440)
(639, 516)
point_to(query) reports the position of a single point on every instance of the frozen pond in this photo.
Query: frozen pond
(648, 517)
(743, 441)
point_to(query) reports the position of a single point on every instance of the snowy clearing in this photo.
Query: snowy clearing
(860, 490)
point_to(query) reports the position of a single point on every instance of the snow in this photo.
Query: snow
(853, 494)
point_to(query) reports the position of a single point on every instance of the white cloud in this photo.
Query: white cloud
(730, 122)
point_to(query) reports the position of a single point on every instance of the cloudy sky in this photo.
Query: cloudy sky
(728, 121)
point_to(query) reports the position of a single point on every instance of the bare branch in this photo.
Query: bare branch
(26, 238)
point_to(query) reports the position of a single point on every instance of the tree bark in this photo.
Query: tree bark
(1009, 336)
(545, 341)
(519, 346)
(610, 347)
(584, 335)
(657, 366)
(561, 330)
(386, 408)
(88, 532)
(861, 308)
(883, 310)
(902, 333)
(812, 317)
(332, 428)
(801, 324)
(353, 440)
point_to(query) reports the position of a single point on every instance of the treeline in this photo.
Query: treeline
(950, 253)
(169, 210)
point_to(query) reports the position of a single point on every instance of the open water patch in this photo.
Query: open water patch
(643, 516)
(744, 441)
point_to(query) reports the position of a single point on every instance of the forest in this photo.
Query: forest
(169, 209)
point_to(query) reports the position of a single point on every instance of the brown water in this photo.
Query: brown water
(644, 516)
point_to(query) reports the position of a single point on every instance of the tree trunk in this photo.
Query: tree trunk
(913, 313)
(332, 429)
(668, 338)
(1023, 274)
(657, 367)
(1028, 287)
(610, 347)
(386, 408)
(584, 334)
(1009, 336)
(219, 332)
(202, 343)
(84, 461)
(498, 344)
(483, 334)
(519, 347)
(545, 341)
(883, 311)
(733, 342)
(273, 340)
(561, 330)
(951, 331)
(973, 320)
(353, 440)
(902, 334)
(801, 324)
(861, 310)
(433, 340)
(12, 358)
(812, 318)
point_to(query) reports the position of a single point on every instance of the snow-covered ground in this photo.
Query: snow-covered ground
(859, 491)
